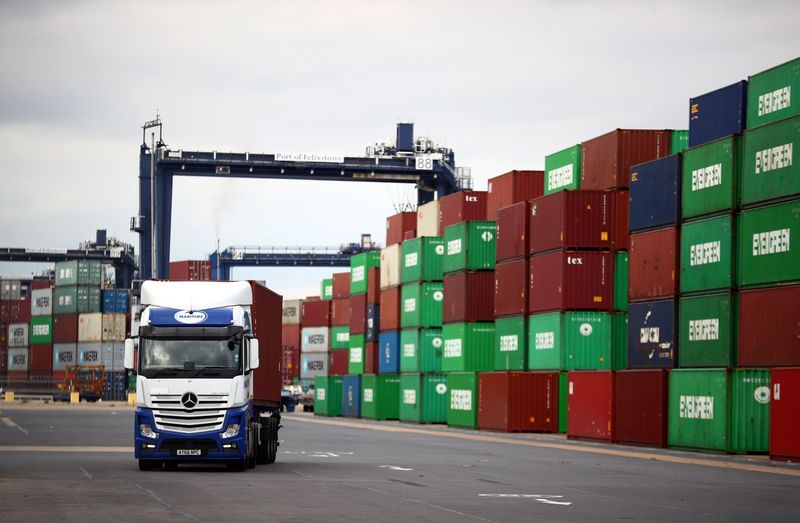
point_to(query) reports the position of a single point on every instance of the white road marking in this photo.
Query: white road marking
(541, 498)
(85, 472)
(10, 423)
(64, 449)
(393, 467)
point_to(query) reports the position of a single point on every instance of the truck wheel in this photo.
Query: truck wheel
(252, 444)
(268, 447)
(149, 464)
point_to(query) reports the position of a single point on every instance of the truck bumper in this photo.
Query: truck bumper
(194, 447)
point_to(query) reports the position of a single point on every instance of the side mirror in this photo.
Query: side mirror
(129, 345)
(253, 354)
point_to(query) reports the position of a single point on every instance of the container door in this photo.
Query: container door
(784, 440)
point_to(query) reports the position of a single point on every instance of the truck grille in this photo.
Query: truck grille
(207, 415)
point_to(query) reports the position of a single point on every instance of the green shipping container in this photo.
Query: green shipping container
(708, 331)
(421, 350)
(768, 171)
(719, 409)
(421, 304)
(360, 264)
(340, 338)
(468, 347)
(355, 363)
(328, 396)
(711, 177)
(79, 272)
(563, 396)
(766, 254)
(76, 299)
(595, 340)
(545, 341)
(462, 395)
(678, 142)
(772, 95)
(41, 332)
(326, 289)
(562, 170)
(423, 398)
(707, 259)
(422, 259)
(380, 396)
(510, 347)
(470, 246)
(621, 281)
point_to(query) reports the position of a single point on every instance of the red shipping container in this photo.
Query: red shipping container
(266, 315)
(769, 327)
(65, 328)
(390, 309)
(653, 264)
(512, 187)
(41, 284)
(510, 288)
(462, 206)
(3, 359)
(316, 313)
(397, 225)
(370, 358)
(358, 314)
(571, 280)
(290, 335)
(572, 220)
(374, 285)
(621, 231)
(641, 406)
(468, 296)
(513, 238)
(518, 401)
(15, 311)
(341, 284)
(606, 160)
(337, 364)
(590, 405)
(784, 425)
(190, 270)
(290, 364)
(40, 360)
(410, 235)
(340, 312)
(17, 375)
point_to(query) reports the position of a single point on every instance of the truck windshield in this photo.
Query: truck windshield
(162, 357)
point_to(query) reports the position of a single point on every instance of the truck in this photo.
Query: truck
(207, 357)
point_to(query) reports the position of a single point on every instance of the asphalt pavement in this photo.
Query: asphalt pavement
(76, 464)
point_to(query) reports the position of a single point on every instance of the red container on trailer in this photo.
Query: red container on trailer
(397, 225)
(784, 425)
(641, 406)
(621, 220)
(462, 206)
(266, 315)
(571, 280)
(65, 328)
(358, 314)
(572, 220)
(290, 335)
(290, 365)
(374, 285)
(512, 187)
(590, 405)
(513, 238)
(468, 296)
(606, 160)
(518, 401)
(40, 360)
(370, 358)
(316, 313)
(340, 312)
(653, 264)
(337, 365)
(341, 284)
(390, 309)
(769, 327)
(510, 288)
(190, 270)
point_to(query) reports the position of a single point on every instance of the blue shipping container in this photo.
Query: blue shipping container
(109, 301)
(115, 386)
(351, 396)
(373, 322)
(652, 335)
(655, 194)
(717, 114)
(389, 352)
(122, 302)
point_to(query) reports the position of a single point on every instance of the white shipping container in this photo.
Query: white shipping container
(109, 276)
(90, 353)
(18, 335)
(42, 302)
(113, 356)
(390, 266)
(90, 327)
(428, 219)
(10, 289)
(315, 339)
(313, 365)
(291, 312)
(18, 359)
(119, 327)
(113, 327)
(64, 354)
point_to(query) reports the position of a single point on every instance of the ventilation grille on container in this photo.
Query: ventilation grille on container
(207, 415)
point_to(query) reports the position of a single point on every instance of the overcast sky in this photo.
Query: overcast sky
(501, 83)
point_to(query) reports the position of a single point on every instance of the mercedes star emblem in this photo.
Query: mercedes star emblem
(189, 400)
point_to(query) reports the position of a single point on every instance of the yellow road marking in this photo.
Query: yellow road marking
(561, 446)
(43, 448)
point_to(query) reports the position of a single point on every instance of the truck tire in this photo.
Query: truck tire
(149, 464)
(268, 442)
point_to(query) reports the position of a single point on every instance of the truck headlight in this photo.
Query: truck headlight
(231, 431)
(147, 431)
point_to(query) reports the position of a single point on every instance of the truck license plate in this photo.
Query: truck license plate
(189, 452)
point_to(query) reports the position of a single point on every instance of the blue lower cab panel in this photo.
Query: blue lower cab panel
(200, 446)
